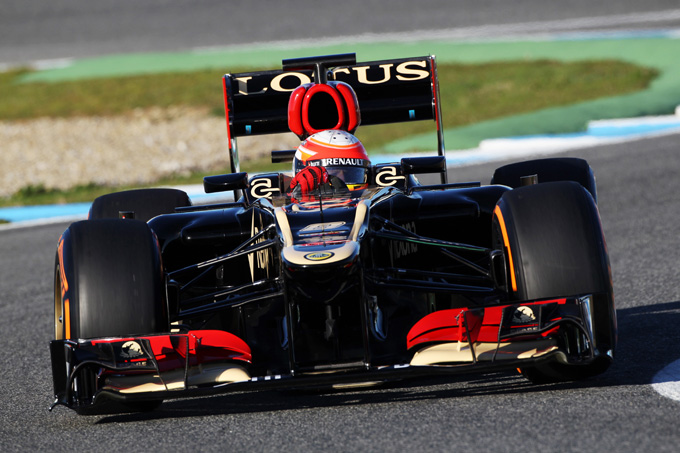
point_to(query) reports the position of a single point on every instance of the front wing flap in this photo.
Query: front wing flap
(507, 332)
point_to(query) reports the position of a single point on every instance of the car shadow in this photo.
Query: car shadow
(649, 340)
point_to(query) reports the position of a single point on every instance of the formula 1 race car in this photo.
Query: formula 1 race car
(355, 280)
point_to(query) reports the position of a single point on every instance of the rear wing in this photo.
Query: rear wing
(389, 91)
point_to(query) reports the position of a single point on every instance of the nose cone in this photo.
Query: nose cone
(321, 273)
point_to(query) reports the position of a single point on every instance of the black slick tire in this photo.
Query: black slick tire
(108, 281)
(557, 248)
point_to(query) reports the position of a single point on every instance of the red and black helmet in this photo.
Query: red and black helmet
(340, 152)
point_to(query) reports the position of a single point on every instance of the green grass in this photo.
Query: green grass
(474, 93)
(36, 195)
(470, 93)
(107, 96)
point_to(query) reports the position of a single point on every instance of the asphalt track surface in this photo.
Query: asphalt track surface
(618, 411)
(72, 28)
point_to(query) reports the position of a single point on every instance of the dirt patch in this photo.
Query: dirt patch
(136, 148)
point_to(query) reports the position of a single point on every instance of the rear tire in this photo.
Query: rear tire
(144, 203)
(557, 247)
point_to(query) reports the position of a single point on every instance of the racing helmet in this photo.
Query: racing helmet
(340, 152)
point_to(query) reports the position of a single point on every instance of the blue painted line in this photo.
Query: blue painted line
(619, 131)
(612, 129)
(27, 213)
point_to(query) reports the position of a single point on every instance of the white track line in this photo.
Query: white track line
(667, 381)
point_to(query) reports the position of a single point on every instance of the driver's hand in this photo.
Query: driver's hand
(309, 179)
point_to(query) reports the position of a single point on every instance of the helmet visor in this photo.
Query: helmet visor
(350, 175)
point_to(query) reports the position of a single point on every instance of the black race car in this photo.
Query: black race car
(156, 299)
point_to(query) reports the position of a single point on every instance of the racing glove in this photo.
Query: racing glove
(309, 179)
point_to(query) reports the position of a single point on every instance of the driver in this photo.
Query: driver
(331, 159)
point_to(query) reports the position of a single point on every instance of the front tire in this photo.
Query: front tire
(555, 247)
(108, 281)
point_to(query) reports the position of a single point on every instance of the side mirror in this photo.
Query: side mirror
(223, 183)
(421, 165)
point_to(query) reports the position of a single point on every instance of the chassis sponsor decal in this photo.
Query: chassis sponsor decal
(400, 249)
(322, 226)
(319, 256)
(263, 188)
(320, 240)
(388, 176)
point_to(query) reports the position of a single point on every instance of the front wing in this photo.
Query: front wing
(92, 375)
